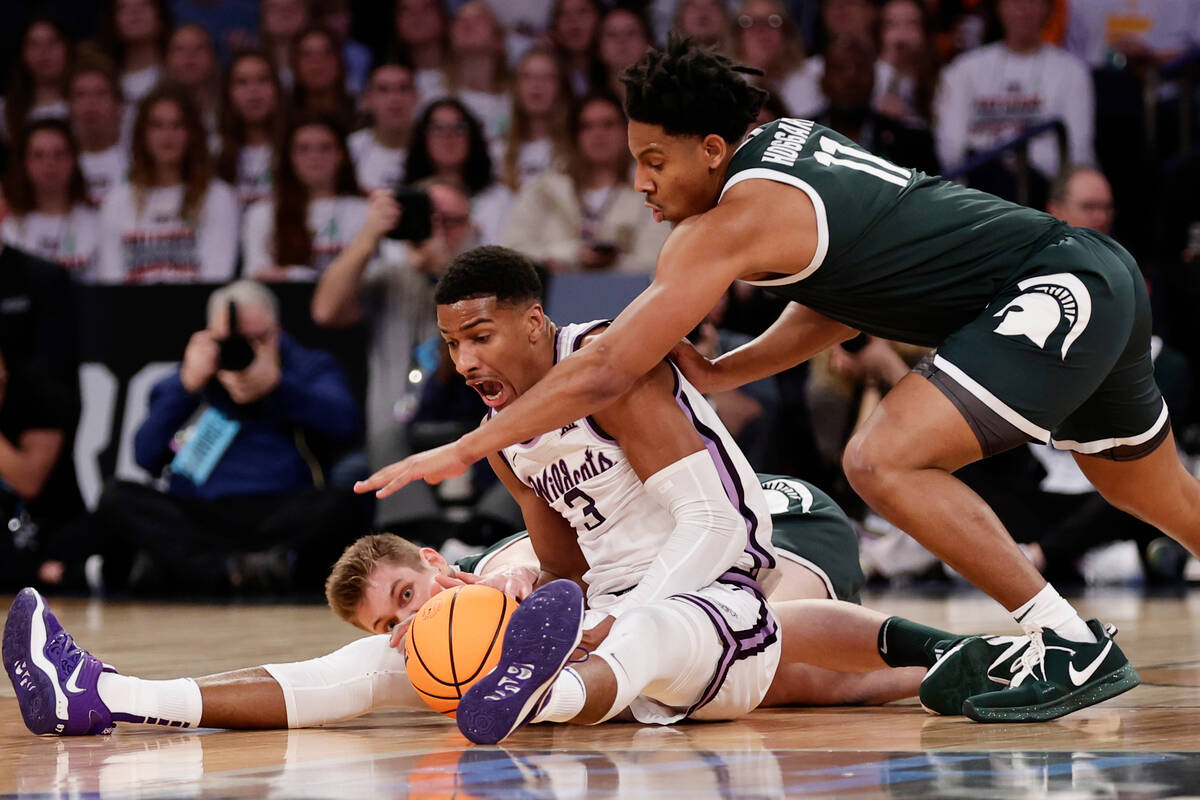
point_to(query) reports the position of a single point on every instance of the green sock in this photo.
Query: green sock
(903, 643)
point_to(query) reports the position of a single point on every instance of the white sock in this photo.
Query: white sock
(567, 698)
(1048, 609)
(176, 703)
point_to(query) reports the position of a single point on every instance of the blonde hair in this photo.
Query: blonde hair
(347, 581)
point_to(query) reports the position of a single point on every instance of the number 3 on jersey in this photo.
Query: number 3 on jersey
(589, 507)
(860, 160)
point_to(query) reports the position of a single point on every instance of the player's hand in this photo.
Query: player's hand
(398, 632)
(699, 371)
(513, 581)
(592, 637)
(432, 466)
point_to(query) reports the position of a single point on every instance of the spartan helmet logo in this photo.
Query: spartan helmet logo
(780, 492)
(1046, 301)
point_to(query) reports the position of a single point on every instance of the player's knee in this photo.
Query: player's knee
(864, 464)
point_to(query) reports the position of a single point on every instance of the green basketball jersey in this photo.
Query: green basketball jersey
(900, 254)
(473, 562)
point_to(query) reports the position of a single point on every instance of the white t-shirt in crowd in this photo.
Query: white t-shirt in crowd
(989, 95)
(255, 174)
(489, 211)
(430, 85)
(151, 242)
(1165, 26)
(375, 166)
(533, 158)
(70, 240)
(491, 109)
(136, 85)
(334, 221)
(103, 170)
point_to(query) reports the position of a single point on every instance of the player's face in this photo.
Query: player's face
(493, 346)
(680, 176)
(393, 592)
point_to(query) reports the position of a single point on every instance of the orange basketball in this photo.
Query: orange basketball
(454, 640)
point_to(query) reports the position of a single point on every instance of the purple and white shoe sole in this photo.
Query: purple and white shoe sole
(542, 633)
(42, 700)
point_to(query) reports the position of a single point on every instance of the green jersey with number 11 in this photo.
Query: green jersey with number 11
(900, 254)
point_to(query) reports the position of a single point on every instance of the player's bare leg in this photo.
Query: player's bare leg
(806, 685)
(900, 462)
(243, 699)
(1156, 489)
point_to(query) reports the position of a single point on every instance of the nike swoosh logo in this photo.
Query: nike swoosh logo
(1080, 677)
(1015, 644)
(883, 637)
(73, 681)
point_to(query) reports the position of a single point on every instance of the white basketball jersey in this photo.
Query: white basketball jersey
(584, 475)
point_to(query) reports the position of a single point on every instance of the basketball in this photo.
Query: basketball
(454, 640)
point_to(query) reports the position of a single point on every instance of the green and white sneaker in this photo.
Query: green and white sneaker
(1055, 676)
(968, 666)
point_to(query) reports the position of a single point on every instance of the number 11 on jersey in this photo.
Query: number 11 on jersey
(861, 160)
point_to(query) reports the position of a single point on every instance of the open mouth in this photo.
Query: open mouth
(492, 391)
(655, 211)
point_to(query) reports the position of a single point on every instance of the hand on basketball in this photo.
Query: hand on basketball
(398, 632)
(432, 466)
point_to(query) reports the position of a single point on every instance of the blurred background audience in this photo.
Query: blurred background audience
(153, 151)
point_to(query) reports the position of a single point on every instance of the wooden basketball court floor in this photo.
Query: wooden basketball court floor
(1143, 744)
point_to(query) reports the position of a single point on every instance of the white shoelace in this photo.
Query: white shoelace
(1031, 660)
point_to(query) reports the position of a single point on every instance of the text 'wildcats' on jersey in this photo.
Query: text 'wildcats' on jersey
(900, 254)
(582, 473)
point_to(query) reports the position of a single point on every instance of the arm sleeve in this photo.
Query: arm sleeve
(216, 240)
(170, 407)
(709, 533)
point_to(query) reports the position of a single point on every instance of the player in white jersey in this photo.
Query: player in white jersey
(668, 516)
(381, 581)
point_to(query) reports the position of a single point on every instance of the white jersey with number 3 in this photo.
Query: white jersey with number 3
(583, 474)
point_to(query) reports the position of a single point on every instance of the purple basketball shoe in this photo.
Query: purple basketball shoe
(542, 633)
(54, 678)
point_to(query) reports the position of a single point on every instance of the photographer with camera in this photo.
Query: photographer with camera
(233, 432)
(386, 276)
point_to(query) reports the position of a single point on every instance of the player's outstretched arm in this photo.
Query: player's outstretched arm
(798, 335)
(696, 266)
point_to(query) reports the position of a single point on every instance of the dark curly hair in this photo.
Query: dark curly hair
(691, 91)
(489, 271)
(476, 172)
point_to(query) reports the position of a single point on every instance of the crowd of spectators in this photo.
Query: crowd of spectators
(207, 141)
